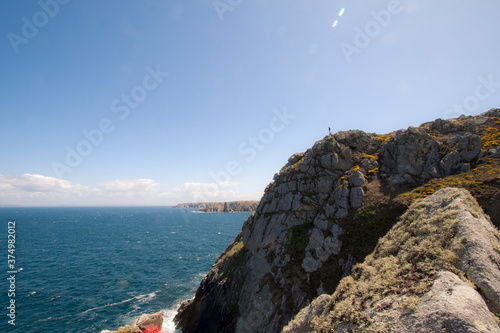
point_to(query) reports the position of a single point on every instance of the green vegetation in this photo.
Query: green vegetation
(230, 260)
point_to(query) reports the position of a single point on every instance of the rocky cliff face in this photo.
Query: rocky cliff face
(327, 208)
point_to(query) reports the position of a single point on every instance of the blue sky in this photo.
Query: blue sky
(206, 100)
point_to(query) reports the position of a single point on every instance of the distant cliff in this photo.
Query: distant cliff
(342, 202)
(222, 207)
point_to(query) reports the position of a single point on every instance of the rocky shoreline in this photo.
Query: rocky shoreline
(146, 323)
(222, 207)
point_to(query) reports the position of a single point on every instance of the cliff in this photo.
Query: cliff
(222, 207)
(327, 209)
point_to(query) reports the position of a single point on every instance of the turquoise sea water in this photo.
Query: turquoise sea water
(87, 269)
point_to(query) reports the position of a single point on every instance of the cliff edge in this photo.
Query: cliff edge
(326, 210)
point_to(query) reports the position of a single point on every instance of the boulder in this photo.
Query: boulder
(150, 322)
(357, 197)
(450, 163)
(411, 152)
(469, 146)
(356, 178)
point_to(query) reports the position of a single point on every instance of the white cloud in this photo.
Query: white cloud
(39, 190)
(35, 183)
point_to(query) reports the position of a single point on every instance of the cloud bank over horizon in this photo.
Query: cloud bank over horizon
(39, 190)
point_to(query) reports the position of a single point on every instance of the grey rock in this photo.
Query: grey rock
(309, 264)
(355, 139)
(296, 201)
(316, 241)
(411, 152)
(341, 213)
(481, 258)
(324, 185)
(341, 197)
(336, 231)
(495, 152)
(469, 146)
(450, 162)
(295, 158)
(332, 245)
(357, 197)
(330, 211)
(450, 304)
(346, 154)
(453, 126)
(356, 178)
(305, 186)
(321, 222)
(286, 202)
(408, 179)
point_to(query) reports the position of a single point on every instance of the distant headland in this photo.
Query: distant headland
(221, 207)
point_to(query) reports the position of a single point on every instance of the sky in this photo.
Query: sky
(160, 102)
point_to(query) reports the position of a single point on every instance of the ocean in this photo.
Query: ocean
(93, 268)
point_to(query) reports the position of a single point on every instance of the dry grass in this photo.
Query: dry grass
(405, 263)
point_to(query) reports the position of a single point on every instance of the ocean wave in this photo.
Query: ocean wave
(141, 298)
(168, 325)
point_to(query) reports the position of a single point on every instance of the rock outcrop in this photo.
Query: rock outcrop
(438, 269)
(146, 323)
(326, 210)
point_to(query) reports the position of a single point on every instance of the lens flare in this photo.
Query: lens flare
(341, 12)
(335, 23)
